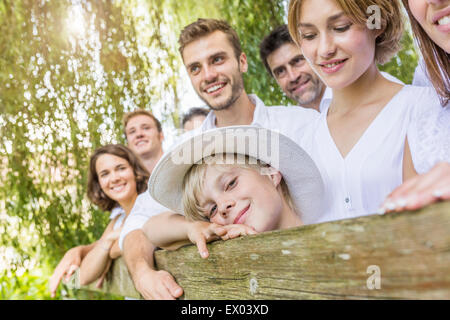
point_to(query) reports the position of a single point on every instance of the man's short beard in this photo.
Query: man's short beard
(316, 89)
(236, 91)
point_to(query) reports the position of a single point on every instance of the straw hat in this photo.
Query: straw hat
(280, 152)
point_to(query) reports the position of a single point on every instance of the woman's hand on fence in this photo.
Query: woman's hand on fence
(421, 190)
(66, 267)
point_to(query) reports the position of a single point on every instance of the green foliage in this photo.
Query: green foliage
(404, 63)
(253, 20)
(24, 287)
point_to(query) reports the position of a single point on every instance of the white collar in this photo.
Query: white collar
(259, 115)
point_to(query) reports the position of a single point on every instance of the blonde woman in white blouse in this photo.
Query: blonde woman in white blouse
(428, 22)
(360, 143)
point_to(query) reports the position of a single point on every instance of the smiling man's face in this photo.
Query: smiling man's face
(214, 70)
(295, 77)
(143, 136)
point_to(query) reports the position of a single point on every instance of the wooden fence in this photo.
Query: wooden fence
(394, 256)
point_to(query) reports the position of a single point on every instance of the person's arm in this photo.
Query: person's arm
(137, 252)
(97, 260)
(167, 230)
(171, 231)
(67, 266)
(115, 251)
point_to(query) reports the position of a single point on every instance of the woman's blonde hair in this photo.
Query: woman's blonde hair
(193, 185)
(387, 43)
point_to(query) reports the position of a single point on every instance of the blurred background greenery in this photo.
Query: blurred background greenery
(69, 69)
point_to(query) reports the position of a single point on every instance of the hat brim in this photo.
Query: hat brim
(280, 152)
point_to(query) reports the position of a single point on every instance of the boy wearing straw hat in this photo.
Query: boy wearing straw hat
(229, 182)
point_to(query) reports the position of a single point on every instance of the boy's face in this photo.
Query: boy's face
(234, 195)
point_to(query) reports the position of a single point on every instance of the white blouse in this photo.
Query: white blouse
(429, 133)
(358, 184)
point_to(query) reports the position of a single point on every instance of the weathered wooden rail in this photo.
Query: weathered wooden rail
(395, 256)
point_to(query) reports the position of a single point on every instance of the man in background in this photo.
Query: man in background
(193, 118)
(287, 65)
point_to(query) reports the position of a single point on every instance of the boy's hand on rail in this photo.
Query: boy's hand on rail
(421, 190)
(237, 230)
(201, 232)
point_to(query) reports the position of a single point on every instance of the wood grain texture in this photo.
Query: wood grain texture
(323, 261)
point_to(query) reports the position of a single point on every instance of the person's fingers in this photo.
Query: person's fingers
(431, 194)
(55, 279)
(99, 283)
(160, 291)
(71, 270)
(420, 190)
(200, 241)
(403, 189)
(54, 282)
(103, 276)
(234, 233)
(174, 289)
(218, 230)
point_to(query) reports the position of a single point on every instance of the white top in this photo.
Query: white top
(120, 213)
(144, 208)
(420, 75)
(358, 184)
(328, 94)
(430, 130)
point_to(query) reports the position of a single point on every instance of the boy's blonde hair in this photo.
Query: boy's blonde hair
(387, 43)
(193, 184)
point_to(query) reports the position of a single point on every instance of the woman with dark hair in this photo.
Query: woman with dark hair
(116, 177)
(430, 22)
